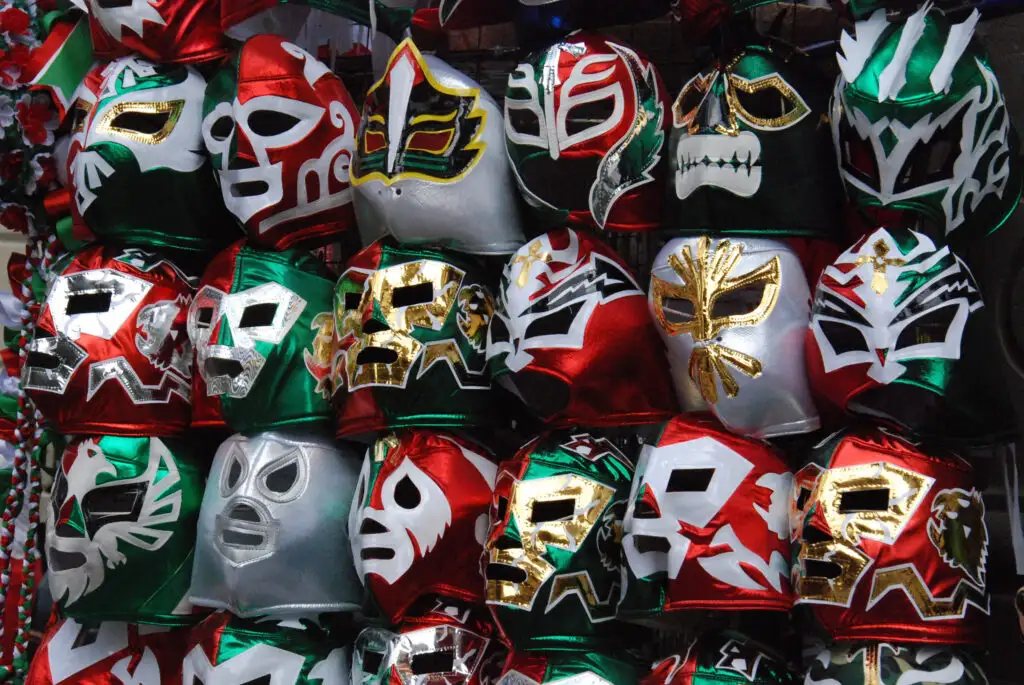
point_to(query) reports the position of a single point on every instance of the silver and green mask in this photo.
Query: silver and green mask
(919, 121)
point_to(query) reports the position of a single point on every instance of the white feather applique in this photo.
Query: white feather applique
(856, 49)
(894, 76)
(956, 43)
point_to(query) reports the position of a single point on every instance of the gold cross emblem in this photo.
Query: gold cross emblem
(525, 261)
(880, 263)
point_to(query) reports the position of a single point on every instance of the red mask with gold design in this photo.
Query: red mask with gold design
(893, 544)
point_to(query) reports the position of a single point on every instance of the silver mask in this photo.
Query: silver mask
(734, 315)
(276, 502)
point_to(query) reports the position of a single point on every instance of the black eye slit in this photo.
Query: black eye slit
(352, 301)
(553, 510)
(433, 662)
(249, 188)
(502, 508)
(41, 360)
(111, 4)
(690, 99)
(204, 317)
(864, 500)
(843, 337)
(407, 495)
(651, 543)
(690, 480)
(738, 302)
(582, 117)
(222, 128)
(766, 103)
(822, 569)
(234, 473)
(281, 479)
(677, 310)
(801, 500)
(88, 303)
(813, 535)
(267, 122)
(858, 155)
(933, 160)
(524, 121)
(112, 504)
(262, 680)
(376, 355)
(147, 123)
(372, 661)
(931, 327)
(87, 635)
(258, 315)
(408, 295)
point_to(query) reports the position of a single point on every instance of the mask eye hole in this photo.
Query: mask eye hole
(111, 4)
(864, 500)
(409, 295)
(88, 303)
(676, 310)
(407, 495)
(686, 105)
(690, 480)
(262, 680)
(738, 302)
(524, 122)
(843, 337)
(372, 661)
(233, 474)
(801, 500)
(431, 142)
(222, 128)
(433, 662)
(931, 328)
(204, 317)
(283, 478)
(932, 161)
(814, 535)
(553, 510)
(268, 123)
(146, 123)
(256, 315)
(588, 115)
(501, 510)
(766, 103)
(111, 504)
(352, 301)
(79, 115)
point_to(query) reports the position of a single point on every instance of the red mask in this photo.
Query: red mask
(419, 519)
(893, 544)
(109, 653)
(708, 523)
(111, 353)
(280, 128)
(572, 336)
(160, 30)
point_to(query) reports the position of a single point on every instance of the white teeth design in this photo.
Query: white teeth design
(732, 163)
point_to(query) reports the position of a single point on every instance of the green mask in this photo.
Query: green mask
(920, 124)
(554, 551)
(262, 326)
(122, 532)
(725, 658)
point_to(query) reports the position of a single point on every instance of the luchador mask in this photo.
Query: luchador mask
(412, 328)
(262, 326)
(860, 663)
(276, 499)
(729, 658)
(227, 650)
(707, 525)
(280, 127)
(898, 332)
(750, 150)
(585, 123)
(430, 164)
(553, 562)
(572, 336)
(733, 314)
(160, 30)
(141, 177)
(920, 124)
(120, 541)
(893, 545)
(111, 354)
(107, 653)
(570, 668)
(419, 519)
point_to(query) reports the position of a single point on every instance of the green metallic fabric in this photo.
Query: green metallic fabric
(123, 528)
(265, 348)
(554, 557)
(921, 125)
(887, 664)
(723, 658)
(590, 667)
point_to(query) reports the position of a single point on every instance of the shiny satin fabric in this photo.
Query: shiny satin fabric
(586, 120)
(572, 336)
(553, 554)
(419, 517)
(262, 327)
(723, 658)
(122, 533)
(589, 667)
(227, 650)
(280, 128)
(110, 354)
(107, 653)
(277, 503)
(884, 663)
(707, 525)
(890, 542)
(733, 314)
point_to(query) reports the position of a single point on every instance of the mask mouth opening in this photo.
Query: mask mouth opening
(442, 661)
(113, 4)
(504, 573)
(243, 526)
(59, 560)
(377, 355)
(651, 543)
(376, 554)
(42, 360)
(249, 188)
(223, 367)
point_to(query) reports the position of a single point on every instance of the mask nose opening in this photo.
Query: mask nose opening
(373, 326)
(223, 367)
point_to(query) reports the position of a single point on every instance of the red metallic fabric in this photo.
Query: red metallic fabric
(160, 30)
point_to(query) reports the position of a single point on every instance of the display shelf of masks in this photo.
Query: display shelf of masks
(524, 367)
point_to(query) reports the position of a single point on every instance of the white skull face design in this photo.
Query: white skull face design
(888, 303)
(94, 512)
(548, 295)
(680, 491)
(406, 514)
(263, 314)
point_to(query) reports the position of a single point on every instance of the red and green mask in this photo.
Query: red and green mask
(262, 326)
(570, 668)
(553, 554)
(160, 30)
(122, 530)
(725, 658)
(412, 325)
